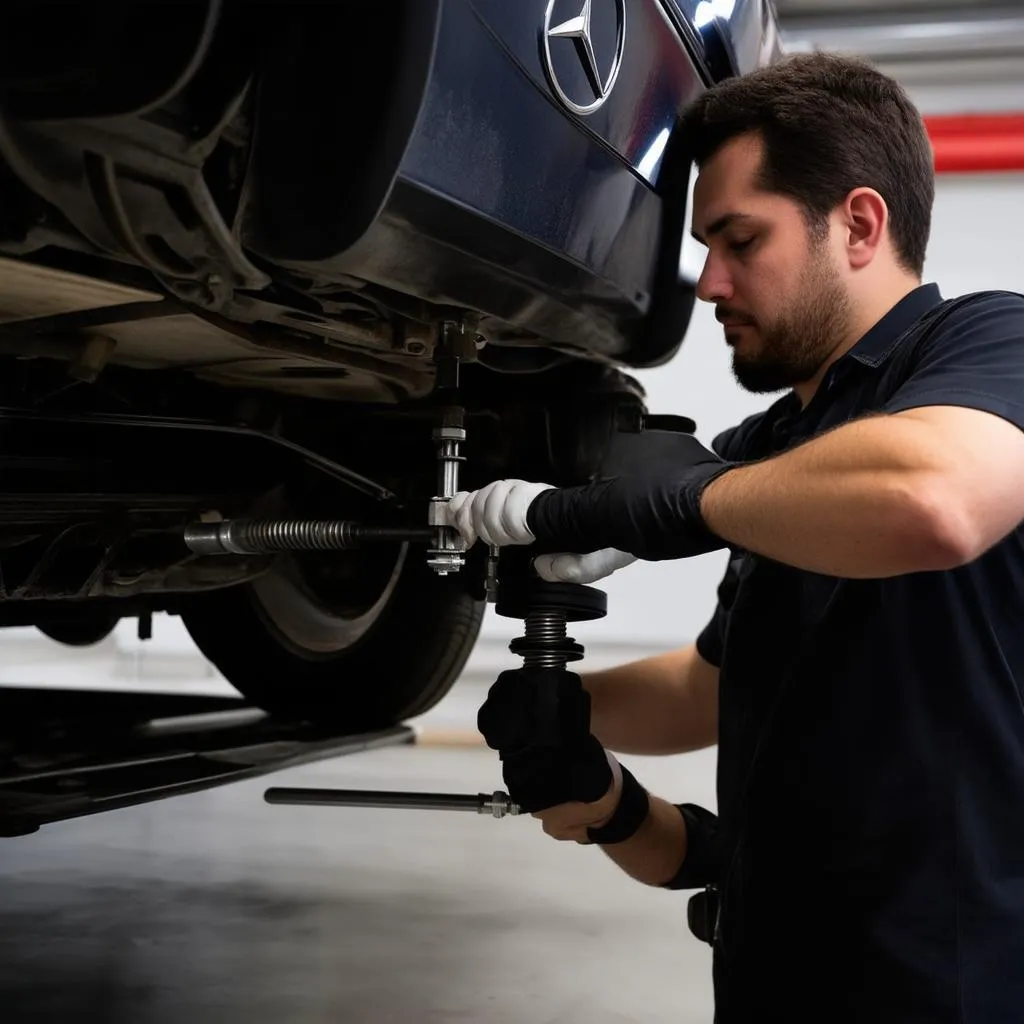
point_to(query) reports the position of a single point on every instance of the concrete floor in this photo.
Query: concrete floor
(217, 907)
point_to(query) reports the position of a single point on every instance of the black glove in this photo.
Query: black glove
(539, 722)
(652, 512)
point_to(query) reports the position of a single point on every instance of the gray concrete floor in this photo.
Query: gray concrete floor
(217, 907)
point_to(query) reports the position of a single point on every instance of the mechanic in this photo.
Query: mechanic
(862, 674)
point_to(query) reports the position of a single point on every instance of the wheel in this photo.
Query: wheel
(357, 640)
(79, 630)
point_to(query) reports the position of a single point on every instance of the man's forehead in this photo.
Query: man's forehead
(733, 169)
(728, 187)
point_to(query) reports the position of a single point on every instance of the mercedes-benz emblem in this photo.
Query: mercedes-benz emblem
(600, 66)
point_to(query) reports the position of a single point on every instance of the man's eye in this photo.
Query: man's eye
(741, 246)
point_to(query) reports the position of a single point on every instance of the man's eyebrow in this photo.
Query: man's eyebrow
(718, 226)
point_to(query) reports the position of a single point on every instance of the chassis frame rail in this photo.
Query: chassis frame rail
(69, 753)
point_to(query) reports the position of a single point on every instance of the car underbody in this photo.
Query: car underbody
(253, 261)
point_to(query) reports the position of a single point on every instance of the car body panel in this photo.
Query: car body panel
(548, 223)
(655, 81)
(443, 175)
(734, 36)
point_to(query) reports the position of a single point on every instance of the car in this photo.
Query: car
(271, 270)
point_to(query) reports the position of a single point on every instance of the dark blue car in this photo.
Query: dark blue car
(268, 270)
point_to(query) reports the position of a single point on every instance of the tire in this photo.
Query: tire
(295, 651)
(79, 630)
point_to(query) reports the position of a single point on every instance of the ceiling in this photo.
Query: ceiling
(792, 7)
(917, 40)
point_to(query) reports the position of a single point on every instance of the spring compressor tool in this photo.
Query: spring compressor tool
(546, 609)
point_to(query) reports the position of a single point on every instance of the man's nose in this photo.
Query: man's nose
(714, 283)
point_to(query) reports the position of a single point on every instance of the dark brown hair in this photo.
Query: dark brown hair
(830, 124)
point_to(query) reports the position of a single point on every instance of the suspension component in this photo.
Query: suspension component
(447, 553)
(262, 536)
(447, 550)
(546, 609)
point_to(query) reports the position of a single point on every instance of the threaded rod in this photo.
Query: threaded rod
(263, 536)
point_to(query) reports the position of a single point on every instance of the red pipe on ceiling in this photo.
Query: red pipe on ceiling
(971, 143)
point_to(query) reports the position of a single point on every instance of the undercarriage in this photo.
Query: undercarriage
(102, 479)
(263, 311)
(115, 484)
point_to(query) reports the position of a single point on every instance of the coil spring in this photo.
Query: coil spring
(264, 535)
(546, 627)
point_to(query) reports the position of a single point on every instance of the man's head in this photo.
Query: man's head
(814, 198)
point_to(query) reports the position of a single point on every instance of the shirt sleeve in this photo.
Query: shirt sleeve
(976, 359)
(703, 861)
(710, 641)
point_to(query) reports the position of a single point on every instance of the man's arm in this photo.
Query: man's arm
(659, 851)
(925, 489)
(652, 855)
(666, 704)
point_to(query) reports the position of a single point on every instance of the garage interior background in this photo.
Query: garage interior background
(964, 66)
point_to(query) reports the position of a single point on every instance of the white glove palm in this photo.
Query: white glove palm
(567, 568)
(496, 514)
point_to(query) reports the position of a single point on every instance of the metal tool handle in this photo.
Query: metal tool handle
(497, 804)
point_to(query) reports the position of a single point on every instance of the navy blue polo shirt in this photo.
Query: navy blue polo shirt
(871, 747)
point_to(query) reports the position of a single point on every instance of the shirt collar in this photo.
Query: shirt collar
(878, 343)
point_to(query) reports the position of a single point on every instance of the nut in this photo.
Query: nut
(444, 562)
(449, 434)
(437, 514)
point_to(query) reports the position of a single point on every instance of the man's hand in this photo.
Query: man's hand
(569, 822)
(568, 568)
(539, 722)
(653, 512)
(496, 514)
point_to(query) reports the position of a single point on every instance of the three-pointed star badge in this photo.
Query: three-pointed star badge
(600, 65)
(578, 30)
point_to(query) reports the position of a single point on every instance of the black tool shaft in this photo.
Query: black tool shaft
(364, 798)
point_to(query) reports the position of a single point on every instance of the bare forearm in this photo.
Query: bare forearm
(657, 850)
(856, 502)
(666, 704)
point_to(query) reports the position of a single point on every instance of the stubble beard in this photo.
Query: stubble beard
(794, 347)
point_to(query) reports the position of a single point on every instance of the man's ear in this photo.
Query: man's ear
(864, 216)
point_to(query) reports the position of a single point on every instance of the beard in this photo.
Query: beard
(796, 345)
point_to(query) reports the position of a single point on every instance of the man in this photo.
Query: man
(863, 674)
